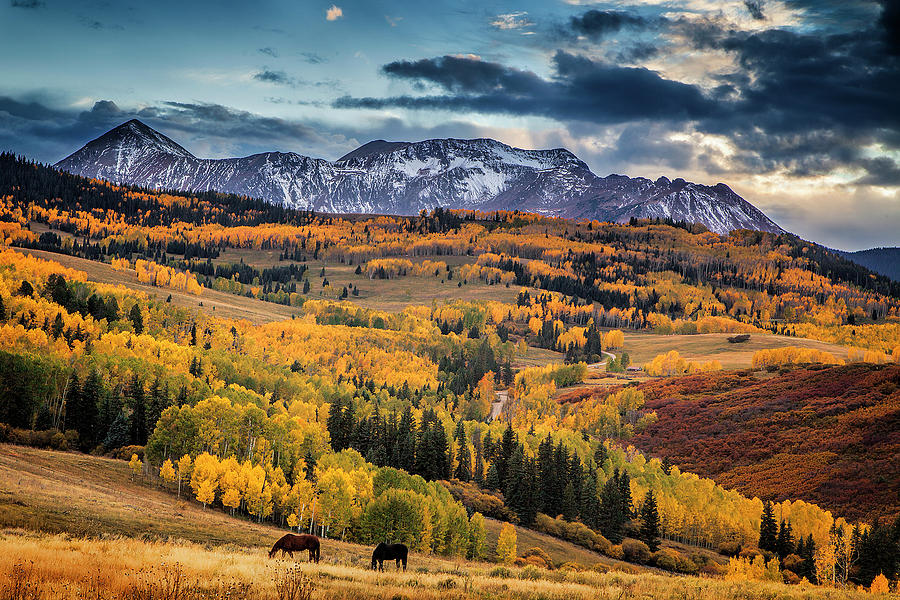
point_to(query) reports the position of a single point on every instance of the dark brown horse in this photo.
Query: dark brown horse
(290, 543)
(385, 552)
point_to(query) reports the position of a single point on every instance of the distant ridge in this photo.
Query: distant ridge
(885, 261)
(407, 177)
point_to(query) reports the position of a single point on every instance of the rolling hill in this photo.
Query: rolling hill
(829, 436)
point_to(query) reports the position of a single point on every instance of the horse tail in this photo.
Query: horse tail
(316, 551)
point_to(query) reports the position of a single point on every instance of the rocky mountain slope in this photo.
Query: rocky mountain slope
(406, 177)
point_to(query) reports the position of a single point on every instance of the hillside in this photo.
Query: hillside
(885, 261)
(829, 436)
(62, 492)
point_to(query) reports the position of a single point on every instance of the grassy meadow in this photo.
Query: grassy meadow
(76, 527)
(64, 567)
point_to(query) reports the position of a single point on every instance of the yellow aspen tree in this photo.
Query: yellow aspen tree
(880, 585)
(506, 544)
(167, 472)
(136, 465)
(185, 464)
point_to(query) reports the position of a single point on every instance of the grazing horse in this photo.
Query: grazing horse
(291, 543)
(385, 552)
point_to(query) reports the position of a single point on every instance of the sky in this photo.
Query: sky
(795, 104)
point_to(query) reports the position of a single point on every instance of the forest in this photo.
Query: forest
(364, 424)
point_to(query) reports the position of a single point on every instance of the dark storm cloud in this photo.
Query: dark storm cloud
(26, 3)
(39, 130)
(755, 8)
(804, 102)
(268, 51)
(596, 24)
(581, 90)
(890, 25)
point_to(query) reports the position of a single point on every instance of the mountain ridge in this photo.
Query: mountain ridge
(407, 177)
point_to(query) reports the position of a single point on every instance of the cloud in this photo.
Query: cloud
(275, 77)
(334, 13)
(26, 3)
(268, 51)
(41, 130)
(313, 58)
(509, 21)
(755, 8)
(393, 21)
(596, 24)
(581, 90)
(890, 25)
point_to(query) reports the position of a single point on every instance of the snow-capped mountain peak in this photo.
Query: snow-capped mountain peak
(406, 177)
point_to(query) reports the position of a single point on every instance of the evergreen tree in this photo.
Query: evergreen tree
(650, 522)
(492, 480)
(138, 411)
(310, 461)
(611, 519)
(73, 402)
(137, 319)
(335, 425)
(878, 553)
(478, 471)
(405, 448)
(569, 502)
(118, 433)
(785, 540)
(157, 402)
(507, 447)
(809, 559)
(589, 501)
(86, 418)
(768, 529)
(514, 488)
(464, 463)
(625, 491)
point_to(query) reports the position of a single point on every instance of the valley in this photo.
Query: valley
(337, 374)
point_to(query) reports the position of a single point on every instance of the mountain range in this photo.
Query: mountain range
(405, 177)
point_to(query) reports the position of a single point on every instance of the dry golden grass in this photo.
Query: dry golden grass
(59, 567)
(642, 347)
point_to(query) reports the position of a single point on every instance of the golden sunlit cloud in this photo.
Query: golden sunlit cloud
(334, 13)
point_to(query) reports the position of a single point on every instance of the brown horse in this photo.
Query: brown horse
(291, 543)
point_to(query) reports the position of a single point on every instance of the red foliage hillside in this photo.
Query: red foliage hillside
(829, 436)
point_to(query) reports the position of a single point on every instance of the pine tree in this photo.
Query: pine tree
(768, 529)
(478, 471)
(785, 541)
(73, 402)
(137, 319)
(492, 480)
(569, 502)
(464, 463)
(86, 419)
(310, 461)
(405, 449)
(335, 425)
(611, 520)
(138, 411)
(118, 433)
(650, 522)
